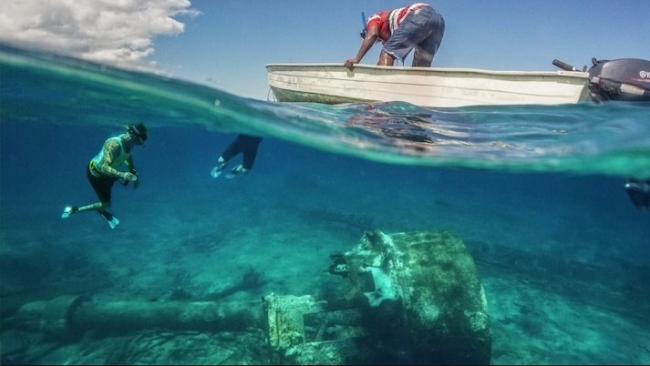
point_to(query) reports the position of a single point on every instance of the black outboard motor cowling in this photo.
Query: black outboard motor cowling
(625, 79)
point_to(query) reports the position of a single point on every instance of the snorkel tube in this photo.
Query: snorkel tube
(364, 25)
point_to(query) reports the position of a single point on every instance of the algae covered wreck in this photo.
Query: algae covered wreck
(407, 298)
(393, 298)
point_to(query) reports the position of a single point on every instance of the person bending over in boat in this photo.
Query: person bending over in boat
(416, 26)
(244, 144)
(102, 171)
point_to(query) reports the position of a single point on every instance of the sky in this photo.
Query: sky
(227, 43)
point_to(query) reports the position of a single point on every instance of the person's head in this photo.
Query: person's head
(137, 132)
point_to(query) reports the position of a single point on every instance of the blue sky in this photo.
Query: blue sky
(227, 43)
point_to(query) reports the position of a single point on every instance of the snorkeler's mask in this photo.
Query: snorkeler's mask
(139, 131)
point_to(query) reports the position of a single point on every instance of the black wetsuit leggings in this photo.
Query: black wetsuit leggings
(102, 185)
(247, 146)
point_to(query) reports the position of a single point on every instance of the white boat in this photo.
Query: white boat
(424, 86)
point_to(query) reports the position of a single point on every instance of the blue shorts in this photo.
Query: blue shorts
(422, 31)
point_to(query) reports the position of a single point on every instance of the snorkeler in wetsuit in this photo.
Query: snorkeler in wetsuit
(639, 192)
(244, 144)
(102, 171)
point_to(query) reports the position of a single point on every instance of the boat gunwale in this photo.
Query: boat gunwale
(431, 70)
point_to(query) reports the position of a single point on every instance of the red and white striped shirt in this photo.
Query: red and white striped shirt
(389, 21)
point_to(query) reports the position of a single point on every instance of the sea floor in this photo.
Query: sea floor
(568, 311)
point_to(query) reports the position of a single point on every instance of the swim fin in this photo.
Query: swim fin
(218, 169)
(239, 169)
(110, 219)
(68, 211)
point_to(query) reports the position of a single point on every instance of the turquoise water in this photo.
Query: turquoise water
(612, 139)
(536, 193)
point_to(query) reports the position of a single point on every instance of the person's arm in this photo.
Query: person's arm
(131, 165)
(132, 170)
(366, 45)
(385, 59)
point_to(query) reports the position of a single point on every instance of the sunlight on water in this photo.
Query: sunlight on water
(611, 139)
(201, 268)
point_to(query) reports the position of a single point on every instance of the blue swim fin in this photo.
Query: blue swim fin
(110, 219)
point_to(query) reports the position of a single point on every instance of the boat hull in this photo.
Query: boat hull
(428, 87)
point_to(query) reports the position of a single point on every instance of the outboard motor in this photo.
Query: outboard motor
(625, 79)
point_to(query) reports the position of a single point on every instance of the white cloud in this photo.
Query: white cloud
(117, 32)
